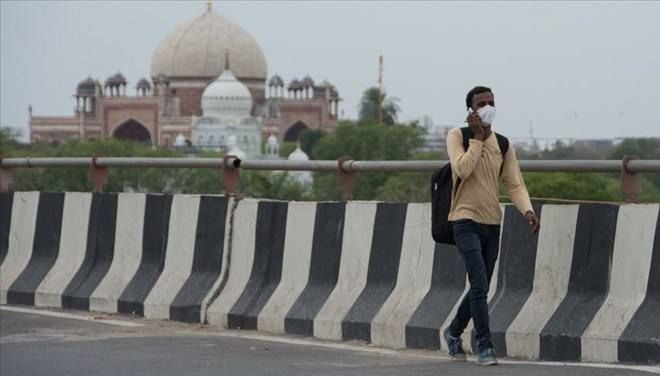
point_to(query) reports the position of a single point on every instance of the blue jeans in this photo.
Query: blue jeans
(478, 244)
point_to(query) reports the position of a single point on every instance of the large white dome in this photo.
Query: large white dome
(298, 155)
(196, 50)
(227, 96)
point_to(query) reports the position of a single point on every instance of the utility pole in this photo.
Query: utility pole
(381, 93)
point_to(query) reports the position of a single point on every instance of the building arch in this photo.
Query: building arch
(292, 134)
(132, 130)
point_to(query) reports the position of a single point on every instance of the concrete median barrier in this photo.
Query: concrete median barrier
(585, 289)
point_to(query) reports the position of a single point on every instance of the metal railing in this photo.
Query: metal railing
(630, 168)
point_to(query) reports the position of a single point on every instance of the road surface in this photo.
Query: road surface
(75, 343)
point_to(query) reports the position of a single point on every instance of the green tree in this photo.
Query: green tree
(309, 139)
(410, 186)
(561, 150)
(573, 186)
(8, 140)
(644, 148)
(77, 179)
(273, 185)
(369, 107)
(287, 148)
(363, 141)
(166, 180)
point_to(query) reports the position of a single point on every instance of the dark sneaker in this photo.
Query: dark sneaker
(487, 357)
(454, 346)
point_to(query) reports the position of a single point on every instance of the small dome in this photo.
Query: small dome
(86, 87)
(120, 78)
(226, 96)
(302, 177)
(307, 82)
(143, 84)
(115, 80)
(298, 155)
(180, 140)
(294, 84)
(272, 140)
(326, 84)
(276, 80)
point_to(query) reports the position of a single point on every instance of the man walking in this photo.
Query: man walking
(476, 215)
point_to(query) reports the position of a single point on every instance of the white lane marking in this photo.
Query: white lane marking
(407, 353)
(63, 315)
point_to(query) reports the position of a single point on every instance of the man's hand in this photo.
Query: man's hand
(480, 130)
(533, 221)
(476, 125)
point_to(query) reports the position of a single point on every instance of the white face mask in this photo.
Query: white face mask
(487, 114)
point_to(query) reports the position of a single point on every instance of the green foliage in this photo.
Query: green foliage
(606, 186)
(273, 185)
(585, 186)
(561, 150)
(409, 186)
(574, 186)
(76, 179)
(180, 180)
(363, 141)
(369, 141)
(287, 148)
(8, 140)
(199, 180)
(309, 139)
(369, 107)
(644, 148)
(405, 187)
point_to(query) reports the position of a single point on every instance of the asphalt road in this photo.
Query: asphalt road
(32, 344)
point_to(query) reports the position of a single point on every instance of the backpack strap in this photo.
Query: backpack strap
(467, 135)
(502, 142)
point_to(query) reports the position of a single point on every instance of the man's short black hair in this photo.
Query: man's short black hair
(475, 90)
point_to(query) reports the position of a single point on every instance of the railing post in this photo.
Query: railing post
(630, 181)
(345, 178)
(6, 177)
(98, 175)
(230, 174)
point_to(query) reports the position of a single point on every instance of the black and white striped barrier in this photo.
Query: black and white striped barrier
(107, 252)
(586, 288)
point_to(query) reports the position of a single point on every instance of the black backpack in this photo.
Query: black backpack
(442, 190)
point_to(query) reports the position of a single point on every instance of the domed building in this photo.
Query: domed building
(272, 147)
(193, 55)
(228, 124)
(181, 99)
(302, 177)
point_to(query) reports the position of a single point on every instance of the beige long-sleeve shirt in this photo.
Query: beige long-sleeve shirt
(477, 197)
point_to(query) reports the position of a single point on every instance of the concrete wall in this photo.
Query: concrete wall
(587, 287)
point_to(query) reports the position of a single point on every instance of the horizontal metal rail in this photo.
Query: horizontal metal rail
(345, 168)
(633, 166)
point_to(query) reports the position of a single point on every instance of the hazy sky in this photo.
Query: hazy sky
(574, 69)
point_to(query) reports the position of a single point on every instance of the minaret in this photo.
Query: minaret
(381, 93)
(209, 6)
(30, 123)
